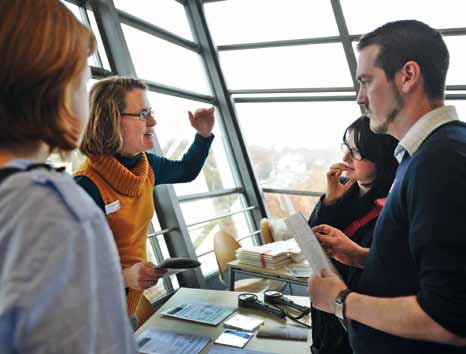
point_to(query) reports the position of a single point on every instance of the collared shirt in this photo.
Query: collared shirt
(422, 129)
(60, 280)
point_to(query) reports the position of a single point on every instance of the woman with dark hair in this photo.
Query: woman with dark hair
(352, 204)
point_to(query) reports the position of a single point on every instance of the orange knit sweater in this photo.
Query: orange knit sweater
(129, 204)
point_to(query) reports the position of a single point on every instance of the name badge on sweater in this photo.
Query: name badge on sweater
(112, 207)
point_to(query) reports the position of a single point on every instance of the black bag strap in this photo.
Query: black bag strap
(8, 171)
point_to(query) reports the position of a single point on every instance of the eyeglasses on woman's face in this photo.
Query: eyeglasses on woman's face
(355, 154)
(142, 115)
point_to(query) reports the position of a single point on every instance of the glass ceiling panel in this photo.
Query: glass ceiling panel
(163, 62)
(317, 65)
(232, 22)
(365, 15)
(167, 14)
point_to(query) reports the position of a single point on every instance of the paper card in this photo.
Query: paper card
(242, 322)
(234, 338)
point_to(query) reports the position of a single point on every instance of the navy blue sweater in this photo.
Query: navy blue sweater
(165, 170)
(419, 244)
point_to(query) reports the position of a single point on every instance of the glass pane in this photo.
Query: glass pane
(457, 71)
(100, 44)
(100, 47)
(291, 145)
(318, 65)
(460, 108)
(365, 15)
(175, 135)
(166, 63)
(202, 235)
(283, 205)
(167, 14)
(265, 20)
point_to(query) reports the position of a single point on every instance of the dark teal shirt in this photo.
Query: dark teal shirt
(165, 170)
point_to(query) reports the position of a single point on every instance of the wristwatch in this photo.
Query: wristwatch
(340, 304)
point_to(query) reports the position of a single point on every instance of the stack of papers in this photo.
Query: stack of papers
(271, 255)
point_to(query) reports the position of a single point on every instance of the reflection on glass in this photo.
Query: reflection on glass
(202, 235)
(279, 20)
(317, 65)
(164, 62)
(175, 135)
(365, 15)
(283, 205)
(167, 14)
(291, 145)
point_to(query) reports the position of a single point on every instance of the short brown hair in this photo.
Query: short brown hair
(107, 101)
(43, 49)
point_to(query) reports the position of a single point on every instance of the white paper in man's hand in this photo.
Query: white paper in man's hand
(310, 246)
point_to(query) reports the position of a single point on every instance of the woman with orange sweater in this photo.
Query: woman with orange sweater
(120, 175)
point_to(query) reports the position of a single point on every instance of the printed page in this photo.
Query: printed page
(310, 246)
(204, 313)
(156, 341)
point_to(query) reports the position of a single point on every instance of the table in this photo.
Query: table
(281, 274)
(230, 299)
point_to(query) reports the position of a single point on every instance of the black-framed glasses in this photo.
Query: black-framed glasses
(143, 115)
(355, 154)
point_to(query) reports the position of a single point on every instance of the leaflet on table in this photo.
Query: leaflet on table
(242, 322)
(234, 338)
(198, 312)
(220, 349)
(309, 244)
(156, 341)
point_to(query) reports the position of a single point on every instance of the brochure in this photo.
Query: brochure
(234, 338)
(242, 322)
(156, 341)
(198, 312)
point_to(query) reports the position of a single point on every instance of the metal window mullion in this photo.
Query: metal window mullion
(166, 204)
(154, 242)
(174, 91)
(292, 192)
(292, 90)
(282, 43)
(233, 136)
(221, 216)
(200, 196)
(295, 99)
(346, 40)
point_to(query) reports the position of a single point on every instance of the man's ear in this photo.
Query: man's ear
(410, 77)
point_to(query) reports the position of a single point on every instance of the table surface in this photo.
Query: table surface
(229, 299)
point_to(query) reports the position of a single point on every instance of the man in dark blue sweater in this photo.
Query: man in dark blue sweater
(412, 294)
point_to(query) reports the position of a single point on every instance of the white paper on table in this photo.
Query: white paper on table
(157, 341)
(198, 312)
(310, 246)
(220, 349)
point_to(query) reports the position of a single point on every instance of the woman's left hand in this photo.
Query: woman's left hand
(203, 120)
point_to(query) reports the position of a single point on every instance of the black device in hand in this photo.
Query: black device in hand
(178, 263)
(251, 301)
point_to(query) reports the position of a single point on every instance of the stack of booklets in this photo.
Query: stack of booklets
(271, 255)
